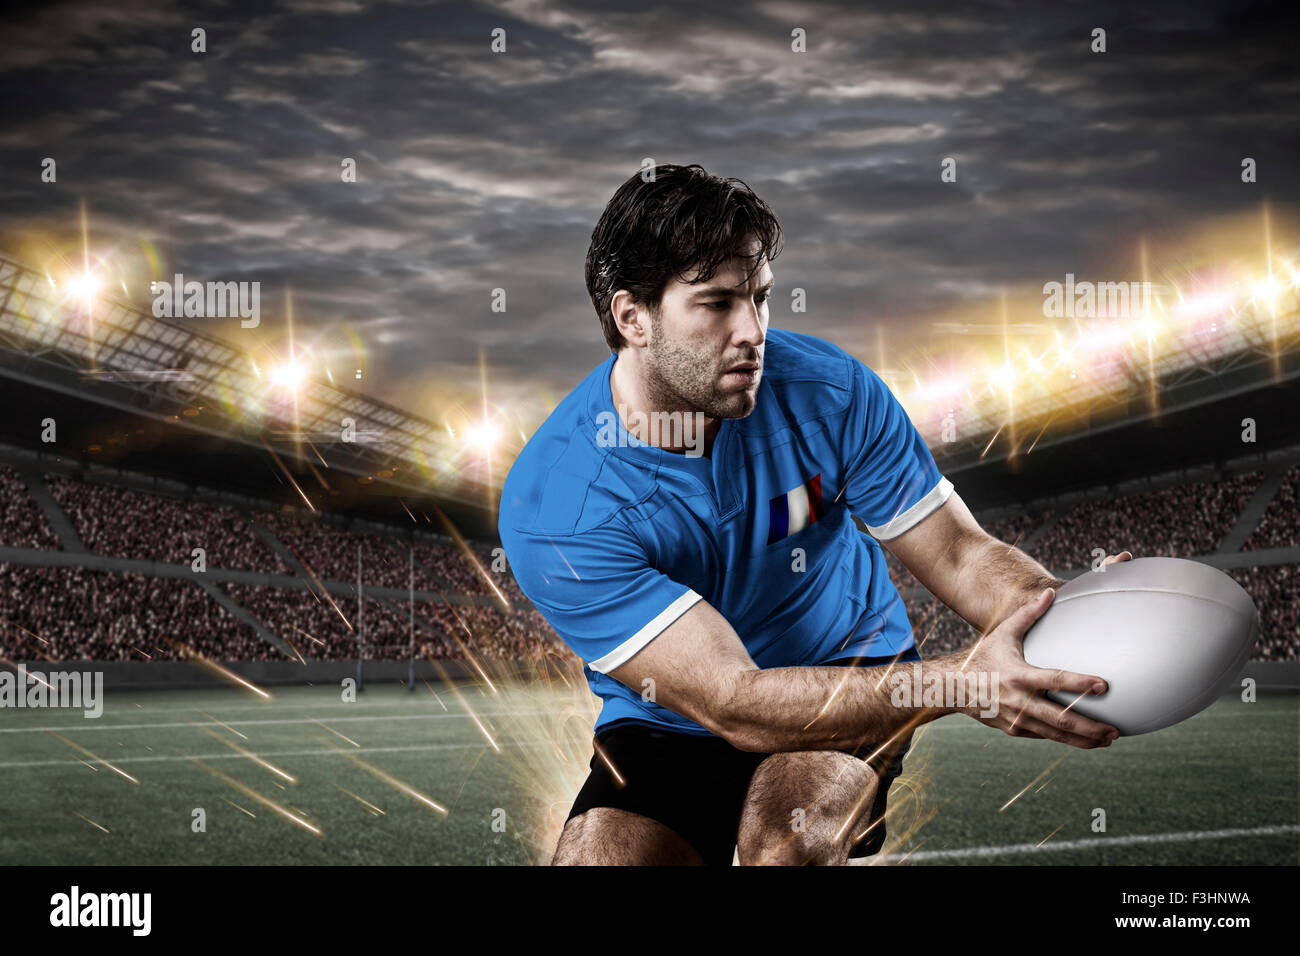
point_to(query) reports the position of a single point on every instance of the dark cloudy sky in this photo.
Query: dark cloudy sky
(480, 170)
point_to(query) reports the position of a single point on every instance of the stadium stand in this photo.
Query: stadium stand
(330, 552)
(1276, 591)
(1280, 526)
(1015, 529)
(23, 524)
(71, 613)
(452, 566)
(116, 616)
(122, 523)
(1182, 521)
(325, 629)
(489, 632)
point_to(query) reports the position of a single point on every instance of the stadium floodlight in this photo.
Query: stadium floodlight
(1201, 306)
(482, 436)
(941, 389)
(1102, 338)
(35, 306)
(1003, 376)
(1266, 289)
(83, 285)
(290, 375)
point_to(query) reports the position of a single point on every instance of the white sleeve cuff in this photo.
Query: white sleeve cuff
(914, 515)
(625, 651)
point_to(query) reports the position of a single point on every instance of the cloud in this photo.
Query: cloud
(478, 171)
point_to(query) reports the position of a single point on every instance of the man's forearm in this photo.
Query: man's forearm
(826, 708)
(992, 579)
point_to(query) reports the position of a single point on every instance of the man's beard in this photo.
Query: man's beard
(683, 380)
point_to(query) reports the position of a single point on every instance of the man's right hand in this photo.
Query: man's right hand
(1021, 709)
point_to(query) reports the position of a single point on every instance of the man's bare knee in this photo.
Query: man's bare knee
(772, 847)
(803, 837)
(606, 836)
(805, 809)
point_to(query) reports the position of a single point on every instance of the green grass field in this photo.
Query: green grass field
(368, 782)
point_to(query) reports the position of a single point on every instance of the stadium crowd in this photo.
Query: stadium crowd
(1015, 529)
(114, 616)
(122, 523)
(454, 567)
(1276, 591)
(1279, 527)
(326, 629)
(21, 523)
(321, 628)
(1177, 522)
(77, 614)
(330, 552)
(492, 634)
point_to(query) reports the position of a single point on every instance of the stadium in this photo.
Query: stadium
(311, 644)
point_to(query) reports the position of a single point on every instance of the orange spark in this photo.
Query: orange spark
(254, 795)
(95, 757)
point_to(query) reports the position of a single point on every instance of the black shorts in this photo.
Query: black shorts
(696, 785)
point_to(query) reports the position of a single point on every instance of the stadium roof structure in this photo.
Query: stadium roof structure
(114, 354)
(121, 355)
(1235, 350)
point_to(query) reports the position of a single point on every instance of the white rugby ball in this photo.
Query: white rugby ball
(1167, 635)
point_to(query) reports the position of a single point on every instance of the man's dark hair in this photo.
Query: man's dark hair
(682, 220)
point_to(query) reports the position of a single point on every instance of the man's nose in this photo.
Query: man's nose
(750, 329)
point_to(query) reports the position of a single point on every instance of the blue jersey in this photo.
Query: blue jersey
(613, 539)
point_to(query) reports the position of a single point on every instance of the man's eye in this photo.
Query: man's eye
(726, 305)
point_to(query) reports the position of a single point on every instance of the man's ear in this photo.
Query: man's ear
(632, 320)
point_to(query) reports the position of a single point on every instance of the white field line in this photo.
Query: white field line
(99, 724)
(978, 852)
(283, 700)
(963, 725)
(415, 748)
(96, 724)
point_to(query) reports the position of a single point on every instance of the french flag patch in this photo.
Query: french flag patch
(795, 510)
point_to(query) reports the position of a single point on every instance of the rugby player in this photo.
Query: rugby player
(729, 611)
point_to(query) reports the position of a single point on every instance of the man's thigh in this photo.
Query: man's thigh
(807, 807)
(692, 786)
(607, 836)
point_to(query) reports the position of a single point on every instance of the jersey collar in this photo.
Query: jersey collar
(600, 405)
